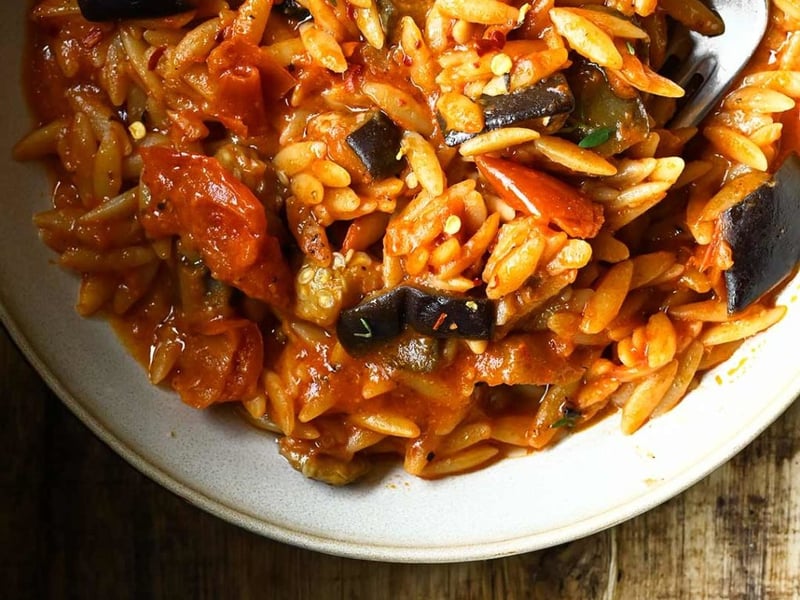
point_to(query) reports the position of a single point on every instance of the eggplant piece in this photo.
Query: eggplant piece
(377, 144)
(292, 9)
(374, 321)
(613, 122)
(111, 10)
(383, 317)
(763, 232)
(548, 98)
(443, 316)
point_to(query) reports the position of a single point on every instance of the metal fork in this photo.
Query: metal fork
(714, 62)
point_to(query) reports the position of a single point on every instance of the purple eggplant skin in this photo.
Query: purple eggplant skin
(547, 98)
(111, 10)
(377, 144)
(385, 316)
(763, 232)
(292, 10)
(443, 316)
(375, 321)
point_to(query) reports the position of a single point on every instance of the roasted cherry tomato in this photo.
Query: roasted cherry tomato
(194, 196)
(535, 193)
(246, 80)
(222, 363)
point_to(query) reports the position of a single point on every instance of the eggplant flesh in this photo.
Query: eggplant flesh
(384, 317)
(417, 354)
(377, 144)
(111, 10)
(550, 97)
(599, 108)
(763, 232)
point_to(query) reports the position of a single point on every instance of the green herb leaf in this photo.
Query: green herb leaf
(631, 49)
(570, 418)
(596, 137)
(568, 422)
(367, 330)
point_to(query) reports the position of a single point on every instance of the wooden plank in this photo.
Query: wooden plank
(22, 477)
(736, 534)
(77, 521)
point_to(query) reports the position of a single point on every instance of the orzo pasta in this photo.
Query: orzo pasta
(435, 229)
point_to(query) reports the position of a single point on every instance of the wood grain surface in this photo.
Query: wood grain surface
(78, 522)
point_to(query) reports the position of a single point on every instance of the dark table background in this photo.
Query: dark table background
(78, 522)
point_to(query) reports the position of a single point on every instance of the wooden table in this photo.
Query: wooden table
(78, 522)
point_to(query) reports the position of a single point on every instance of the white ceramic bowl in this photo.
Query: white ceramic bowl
(590, 481)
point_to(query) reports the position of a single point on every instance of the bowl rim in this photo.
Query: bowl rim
(397, 553)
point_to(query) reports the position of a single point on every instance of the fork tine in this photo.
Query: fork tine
(696, 74)
(711, 63)
(682, 55)
(704, 88)
(679, 46)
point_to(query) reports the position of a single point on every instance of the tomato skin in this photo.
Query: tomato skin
(535, 193)
(220, 363)
(246, 80)
(194, 196)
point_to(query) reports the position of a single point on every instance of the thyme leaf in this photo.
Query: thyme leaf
(568, 422)
(367, 330)
(596, 137)
(570, 418)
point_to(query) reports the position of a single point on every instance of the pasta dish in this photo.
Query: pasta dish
(442, 231)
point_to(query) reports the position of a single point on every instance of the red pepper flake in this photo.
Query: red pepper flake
(494, 41)
(92, 38)
(439, 321)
